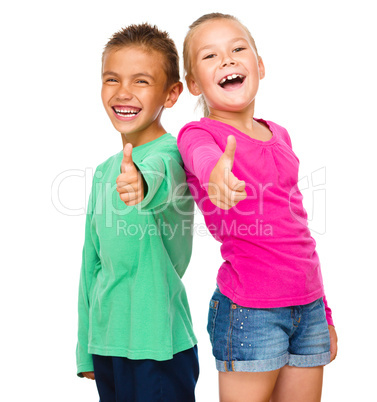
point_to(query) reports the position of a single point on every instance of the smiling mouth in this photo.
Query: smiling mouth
(126, 111)
(232, 81)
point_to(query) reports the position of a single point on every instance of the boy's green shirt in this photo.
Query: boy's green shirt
(132, 302)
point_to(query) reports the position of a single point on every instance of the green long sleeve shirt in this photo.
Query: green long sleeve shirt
(132, 302)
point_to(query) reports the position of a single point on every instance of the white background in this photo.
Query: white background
(320, 84)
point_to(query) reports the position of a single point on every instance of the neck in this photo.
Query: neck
(142, 137)
(241, 120)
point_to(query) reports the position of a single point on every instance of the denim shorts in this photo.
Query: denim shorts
(266, 339)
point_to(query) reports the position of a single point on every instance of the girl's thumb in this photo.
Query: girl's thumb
(230, 149)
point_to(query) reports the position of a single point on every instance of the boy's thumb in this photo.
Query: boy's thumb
(127, 158)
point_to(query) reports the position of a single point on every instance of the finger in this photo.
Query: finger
(237, 196)
(127, 161)
(128, 197)
(134, 202)
(125, 189)
(234, 183)
(237, 185)
(224, 202)
(333, 351)
(127, 179)
(222, 205)
(227, 202)
(230, 150)
(234, 198)
(132, 199)
(240, 187)
(130, 177)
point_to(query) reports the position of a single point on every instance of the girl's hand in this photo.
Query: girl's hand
(333, 342)
(89, 375)
(224, 188)
(130, 184)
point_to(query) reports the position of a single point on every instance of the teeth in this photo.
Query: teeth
(230, 77)
(131, 112)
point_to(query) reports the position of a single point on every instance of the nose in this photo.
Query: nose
(123, 93)
(228, 61)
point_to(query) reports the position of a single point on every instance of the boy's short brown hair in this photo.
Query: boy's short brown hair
(148, 37)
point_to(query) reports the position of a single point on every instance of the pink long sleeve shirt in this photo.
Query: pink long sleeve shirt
(269, 255)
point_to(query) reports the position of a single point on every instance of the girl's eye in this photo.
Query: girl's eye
(111, 80)
(209, 56)
(141, 82)
(238, 49)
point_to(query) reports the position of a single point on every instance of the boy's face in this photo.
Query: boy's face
(133, 91)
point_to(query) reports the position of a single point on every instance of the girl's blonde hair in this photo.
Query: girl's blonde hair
(186, 46)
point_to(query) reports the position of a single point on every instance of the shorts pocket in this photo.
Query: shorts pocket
(212, 314)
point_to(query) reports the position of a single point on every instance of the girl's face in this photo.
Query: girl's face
(225, 66)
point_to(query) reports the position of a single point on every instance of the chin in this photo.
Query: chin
(234, 107)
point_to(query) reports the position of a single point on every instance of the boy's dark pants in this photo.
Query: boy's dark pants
(120, 379)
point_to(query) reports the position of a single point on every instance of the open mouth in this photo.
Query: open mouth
(232, 81)
(126, 111)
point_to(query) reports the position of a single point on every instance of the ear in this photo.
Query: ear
(193, 86)
(262, 71)
(173, 94)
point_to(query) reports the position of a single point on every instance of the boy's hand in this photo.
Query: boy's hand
(130, 184)
(224, 189)
(89, 375)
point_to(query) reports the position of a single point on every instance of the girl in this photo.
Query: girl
(269, 324)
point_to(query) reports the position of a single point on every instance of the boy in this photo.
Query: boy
(135, 335)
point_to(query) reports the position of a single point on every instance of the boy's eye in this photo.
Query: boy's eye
(111, 80)
(238, 49)
(209, 56)
(141, 82)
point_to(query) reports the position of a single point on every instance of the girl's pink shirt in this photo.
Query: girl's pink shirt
(269, 255)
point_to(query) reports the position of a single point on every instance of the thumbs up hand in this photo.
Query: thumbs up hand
(225, 190)
(130, 184)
